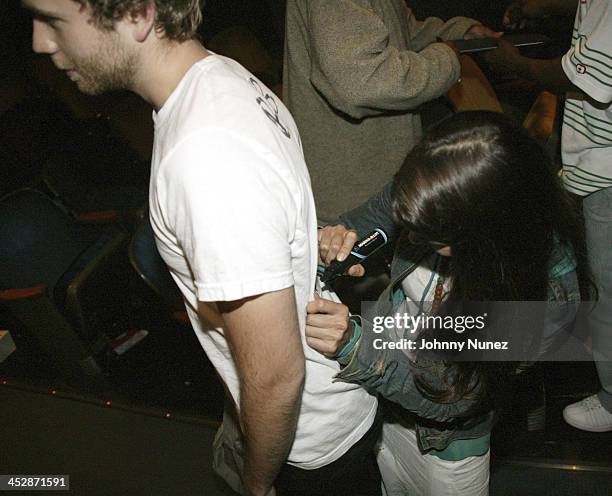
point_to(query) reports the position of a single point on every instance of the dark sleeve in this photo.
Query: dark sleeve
(375, 212)
(390, 373)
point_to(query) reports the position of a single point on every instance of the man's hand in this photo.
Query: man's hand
(264, 338)
(327, 326)
(336, 243)
(480, 31)
(505, 60)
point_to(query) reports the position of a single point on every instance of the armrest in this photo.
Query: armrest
(22, 293)
(473, 91)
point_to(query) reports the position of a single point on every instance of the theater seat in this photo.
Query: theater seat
(148, 264)
(475, 92)
(542, 123)
(63, 281)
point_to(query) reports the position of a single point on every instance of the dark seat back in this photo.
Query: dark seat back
(65, 282)
(38, 240)
(147, 262)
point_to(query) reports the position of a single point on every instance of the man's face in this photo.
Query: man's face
(94, 59)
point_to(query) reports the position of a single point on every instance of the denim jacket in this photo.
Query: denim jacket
(390, 373)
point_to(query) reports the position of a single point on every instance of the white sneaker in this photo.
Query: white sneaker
(588, 415)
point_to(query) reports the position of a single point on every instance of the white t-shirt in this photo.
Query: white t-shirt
(420, 288)
(233, 215)
(420, 285)
(587, 125)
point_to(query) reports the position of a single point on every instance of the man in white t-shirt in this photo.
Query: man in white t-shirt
(234, 219)
(585, 73)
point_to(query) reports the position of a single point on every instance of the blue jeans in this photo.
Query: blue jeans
(598, 223)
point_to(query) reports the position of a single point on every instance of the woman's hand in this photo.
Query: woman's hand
(336, 243)
(328, 328)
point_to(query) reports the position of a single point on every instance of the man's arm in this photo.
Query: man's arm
(264, 338)
(507, 60)
(425, 32)
(547, 73)
(360, 73)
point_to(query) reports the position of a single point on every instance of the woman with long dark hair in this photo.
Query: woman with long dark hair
(477, 215)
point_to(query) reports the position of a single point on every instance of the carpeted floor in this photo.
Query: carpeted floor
(105, 450)
(114, 451)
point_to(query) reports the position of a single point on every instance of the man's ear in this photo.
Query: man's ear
(142, 21)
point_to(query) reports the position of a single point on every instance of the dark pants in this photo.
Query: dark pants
(354, 474)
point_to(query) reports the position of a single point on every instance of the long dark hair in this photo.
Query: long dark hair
(482, 186)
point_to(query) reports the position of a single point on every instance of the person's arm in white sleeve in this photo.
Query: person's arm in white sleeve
(360, 74)
(588, 63)
(265, 342)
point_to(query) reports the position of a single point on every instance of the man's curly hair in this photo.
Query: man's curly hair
(178, 20)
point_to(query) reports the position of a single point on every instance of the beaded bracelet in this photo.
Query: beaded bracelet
(348, 347)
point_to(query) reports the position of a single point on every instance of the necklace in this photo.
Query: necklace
(439, 289)
(438, 293)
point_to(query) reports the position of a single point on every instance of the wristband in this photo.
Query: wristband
(348, 347)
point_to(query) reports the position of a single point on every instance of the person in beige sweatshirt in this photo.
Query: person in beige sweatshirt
(355, 74)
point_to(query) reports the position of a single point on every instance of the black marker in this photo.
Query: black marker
(362, 250)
